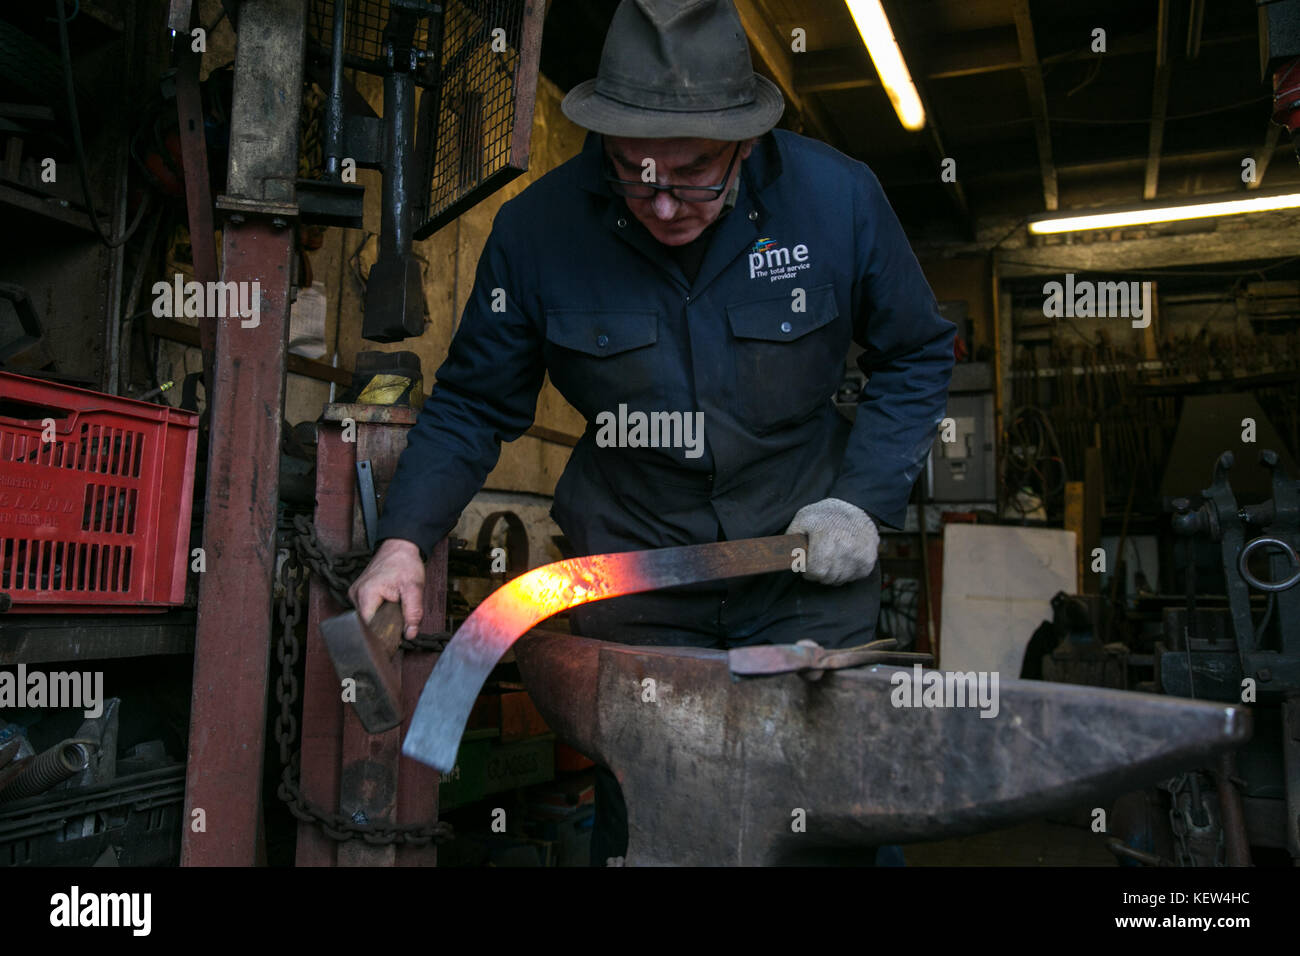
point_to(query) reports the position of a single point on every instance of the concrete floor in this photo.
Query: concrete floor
(1042, 842)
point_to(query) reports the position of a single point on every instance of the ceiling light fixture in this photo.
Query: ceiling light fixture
(1165, 212)
(876, 33)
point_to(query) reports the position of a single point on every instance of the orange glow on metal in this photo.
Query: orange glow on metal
(538, 594)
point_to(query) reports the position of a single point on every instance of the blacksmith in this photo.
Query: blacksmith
(692, 259)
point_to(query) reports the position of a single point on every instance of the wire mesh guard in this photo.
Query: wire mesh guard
(483, 82)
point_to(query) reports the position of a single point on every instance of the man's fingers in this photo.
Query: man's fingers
(412, 611)
(367, 601)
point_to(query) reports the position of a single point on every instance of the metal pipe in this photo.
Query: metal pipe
(1120, 848)
(334, 108)
(399, 127)
(1232, 814)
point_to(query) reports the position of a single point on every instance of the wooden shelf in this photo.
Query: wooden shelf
(50, 210)
(41, 638)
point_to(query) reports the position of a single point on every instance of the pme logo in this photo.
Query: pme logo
(767, 259)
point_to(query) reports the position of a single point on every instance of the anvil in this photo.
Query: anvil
(761, 771)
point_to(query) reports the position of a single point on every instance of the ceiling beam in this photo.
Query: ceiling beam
(1159, 103)
(846, 68)
(1267, 237)
(1140, 44)
(1208, 161)
(1262, 158)
(773, 54)
(934, 146)
(968, 54)
(1195, 24)
(931, 135)
(1033, 74)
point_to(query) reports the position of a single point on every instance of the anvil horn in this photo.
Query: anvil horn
(715, 771)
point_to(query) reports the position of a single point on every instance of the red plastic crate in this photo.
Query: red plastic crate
(97, 519)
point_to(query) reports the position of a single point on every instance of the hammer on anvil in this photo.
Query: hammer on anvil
(760, 771)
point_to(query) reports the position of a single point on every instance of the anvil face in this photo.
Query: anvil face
(762, 771)
(508, 612)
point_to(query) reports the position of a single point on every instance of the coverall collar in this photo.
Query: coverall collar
(735, 233)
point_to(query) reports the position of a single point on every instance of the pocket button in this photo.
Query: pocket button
(602, 341)
(786, 326)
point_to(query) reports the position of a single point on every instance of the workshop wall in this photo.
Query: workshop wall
(450, 258)
(967, 279)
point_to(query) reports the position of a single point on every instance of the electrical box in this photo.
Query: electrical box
(962, 466)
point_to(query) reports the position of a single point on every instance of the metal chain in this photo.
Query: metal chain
(1184, 826)
(338, 571)
(309, 556)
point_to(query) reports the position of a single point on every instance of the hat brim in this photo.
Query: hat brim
(600, 114)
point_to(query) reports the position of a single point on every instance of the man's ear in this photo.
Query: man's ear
(748, 148)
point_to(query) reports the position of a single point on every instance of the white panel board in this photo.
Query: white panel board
(998, 583)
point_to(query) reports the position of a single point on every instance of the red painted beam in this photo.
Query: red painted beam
(227, 719)
(343, 767)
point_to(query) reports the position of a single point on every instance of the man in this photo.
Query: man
(692, 261)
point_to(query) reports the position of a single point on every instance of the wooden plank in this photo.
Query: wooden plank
(1033, 74)
(43, 638)
(1265, 155)
(1156, 138)
(1151, 334)
(1159, 103)
(298, 364)
(847, 68)
(773, 53)
(1074, 495)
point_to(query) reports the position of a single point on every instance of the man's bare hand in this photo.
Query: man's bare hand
(395, 573)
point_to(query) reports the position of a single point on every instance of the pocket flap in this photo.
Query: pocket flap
(773, 319)
(602, 332)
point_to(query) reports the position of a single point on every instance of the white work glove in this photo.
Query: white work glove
(842, 540)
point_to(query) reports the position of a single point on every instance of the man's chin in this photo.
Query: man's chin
(675, 237)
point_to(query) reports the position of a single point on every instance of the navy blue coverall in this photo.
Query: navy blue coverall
(810, 258)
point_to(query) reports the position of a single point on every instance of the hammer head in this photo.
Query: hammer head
(366, 654)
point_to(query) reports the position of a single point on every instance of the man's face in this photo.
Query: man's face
(677, 162)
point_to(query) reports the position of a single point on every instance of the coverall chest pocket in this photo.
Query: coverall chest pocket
(601, 358)
(788, 363)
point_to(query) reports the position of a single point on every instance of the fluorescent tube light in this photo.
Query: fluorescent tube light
(874, 28)
(1164, 213)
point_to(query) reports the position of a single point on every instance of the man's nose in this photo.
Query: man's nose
(665, 206)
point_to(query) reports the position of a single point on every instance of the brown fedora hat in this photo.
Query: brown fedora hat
(676, 68)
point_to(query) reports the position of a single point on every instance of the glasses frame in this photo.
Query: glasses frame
(618, 185)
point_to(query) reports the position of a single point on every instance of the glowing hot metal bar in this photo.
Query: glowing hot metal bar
(512, 610)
